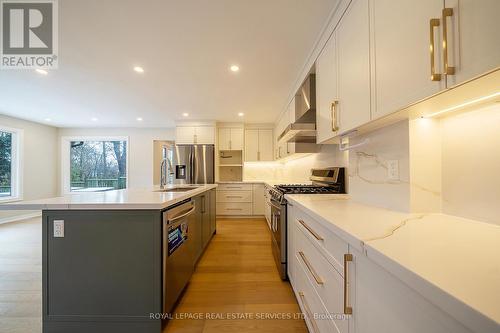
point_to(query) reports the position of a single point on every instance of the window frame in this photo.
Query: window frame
(16, 181)
(66, 158)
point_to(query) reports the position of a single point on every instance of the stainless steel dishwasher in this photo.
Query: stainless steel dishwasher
(178, 263)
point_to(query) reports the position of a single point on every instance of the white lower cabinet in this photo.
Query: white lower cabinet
(378, 300)
(240, 199)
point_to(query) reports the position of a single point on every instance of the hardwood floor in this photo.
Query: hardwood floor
(236, 282)
(236, 277)
(21, 277)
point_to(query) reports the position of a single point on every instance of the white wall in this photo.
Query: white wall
(40, 161)
(141, 157)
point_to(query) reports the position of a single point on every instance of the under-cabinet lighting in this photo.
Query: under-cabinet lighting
(139, 69)
(185, 114)
(235, 68)
(460, 106)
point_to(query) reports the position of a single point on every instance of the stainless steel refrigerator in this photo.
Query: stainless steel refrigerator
(194, 164)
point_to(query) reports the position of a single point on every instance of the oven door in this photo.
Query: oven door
(278, 229)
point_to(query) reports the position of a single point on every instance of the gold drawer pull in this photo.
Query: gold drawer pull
(333, 109)
(234, 196)
(310, 268)
(448, 70)
(347, 260)
(434, 23)
(234, 209)
(308, 312)
(308, 228)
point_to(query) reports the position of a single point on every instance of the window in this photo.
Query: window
(10, 183)
(95, 165)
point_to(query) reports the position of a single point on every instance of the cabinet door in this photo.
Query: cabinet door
(205, 221)
(258, 201)
(265, 145)
(205, 135)
(236, 139)
(184, 135)
(224, 138)
(383, 303)
(472, 31)
(353, 45)
(196, 232)
(326, 90)
(402, 67)
(213, 212)
(251, 145)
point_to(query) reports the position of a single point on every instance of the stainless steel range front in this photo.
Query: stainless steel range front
(324, 181)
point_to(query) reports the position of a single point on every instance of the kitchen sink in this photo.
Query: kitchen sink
(177, 189)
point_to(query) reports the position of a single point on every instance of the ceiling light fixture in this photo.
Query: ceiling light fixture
(185, 114)
(94, 119)
(235, 68)
(241, 114)
(139, 69)
(463, 105)
(48, 120)
(41, 71)
(139, 119)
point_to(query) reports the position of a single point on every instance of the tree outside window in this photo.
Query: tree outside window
(5, 164)
(98, 165)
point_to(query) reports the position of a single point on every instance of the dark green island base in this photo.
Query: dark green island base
(105, 274)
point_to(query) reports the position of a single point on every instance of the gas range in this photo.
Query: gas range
(328, 180)
(324, 181)
(278, 192)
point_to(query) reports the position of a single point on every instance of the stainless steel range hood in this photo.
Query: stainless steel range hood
(303, 129)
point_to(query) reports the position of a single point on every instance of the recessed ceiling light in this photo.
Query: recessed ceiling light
(41, 71)
(93, 119)
(139, 69)
(185, 114)
(139, 119)
(235, 68)
(48, 119)
(241, 114)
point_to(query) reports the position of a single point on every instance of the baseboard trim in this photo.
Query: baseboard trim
(17, 218)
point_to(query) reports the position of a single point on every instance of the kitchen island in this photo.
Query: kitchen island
(104, 255)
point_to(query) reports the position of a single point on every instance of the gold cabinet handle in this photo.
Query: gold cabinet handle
(347, 260)
(333, 109)
(310, 268)
(308, 312)
(448, 70)
(433, 24)
(258, 156)
(314, 233)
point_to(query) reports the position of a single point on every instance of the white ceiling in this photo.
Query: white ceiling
(185, 47)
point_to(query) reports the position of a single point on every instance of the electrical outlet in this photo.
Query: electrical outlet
(393, 170)
(59, 228)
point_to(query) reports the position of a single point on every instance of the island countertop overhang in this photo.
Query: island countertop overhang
(126, 199)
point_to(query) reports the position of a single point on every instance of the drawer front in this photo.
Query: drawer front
(326, 281)
(311, 305)
(234, 187)
(234, 208)
(323, 239)
(234, 196)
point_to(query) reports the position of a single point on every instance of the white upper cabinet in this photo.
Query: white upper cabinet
(230, 138)
(188, 135)
(251, 145)
(401, 57)
(258, 145)
(472, 34)
(353, 50)
(265, 145)
(224, 138)
(326, 90)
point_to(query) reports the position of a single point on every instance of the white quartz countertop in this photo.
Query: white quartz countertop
(451, 261)
(119, 199)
